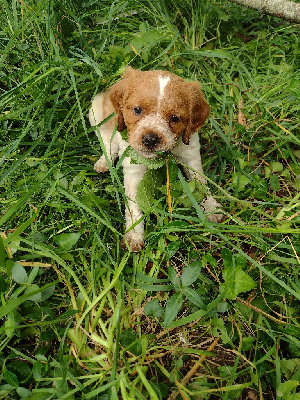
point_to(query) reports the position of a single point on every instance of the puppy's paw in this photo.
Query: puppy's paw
(209, 205)
(101, 165)
(133, 240)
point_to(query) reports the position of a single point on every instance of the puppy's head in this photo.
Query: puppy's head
(157, 108)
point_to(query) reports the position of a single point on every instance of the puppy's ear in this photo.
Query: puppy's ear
(198, 110)
(116, 94)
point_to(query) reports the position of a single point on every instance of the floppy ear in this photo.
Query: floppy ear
(198, 110)
(118, 93)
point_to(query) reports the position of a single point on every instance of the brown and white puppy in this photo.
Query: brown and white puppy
(162, 113)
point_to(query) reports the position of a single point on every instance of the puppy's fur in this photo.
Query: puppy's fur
(162, 113)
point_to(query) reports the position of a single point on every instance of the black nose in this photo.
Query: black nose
(151, 140)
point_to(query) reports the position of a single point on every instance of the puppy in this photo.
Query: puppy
(162, 113)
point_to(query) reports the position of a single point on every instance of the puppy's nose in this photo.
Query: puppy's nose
(151, 140)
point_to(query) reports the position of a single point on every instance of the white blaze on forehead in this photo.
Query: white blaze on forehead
(163, 81)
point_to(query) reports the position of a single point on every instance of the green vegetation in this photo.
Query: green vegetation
(205, 311)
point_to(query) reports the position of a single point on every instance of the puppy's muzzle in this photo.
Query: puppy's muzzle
(151, 140)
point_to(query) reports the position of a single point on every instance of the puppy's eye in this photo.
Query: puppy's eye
(138, 110)
(174, 118)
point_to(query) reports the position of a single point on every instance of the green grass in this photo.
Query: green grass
(205, 311)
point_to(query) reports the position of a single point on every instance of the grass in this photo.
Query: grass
(205, 311)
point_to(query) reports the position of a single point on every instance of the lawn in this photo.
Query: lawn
(206, 310)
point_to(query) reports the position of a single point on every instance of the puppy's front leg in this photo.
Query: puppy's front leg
(190, 155)
(111, 148)
(133, 174)
(101, 108)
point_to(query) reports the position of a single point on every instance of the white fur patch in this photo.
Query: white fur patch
(163, 81)
(152, 123)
